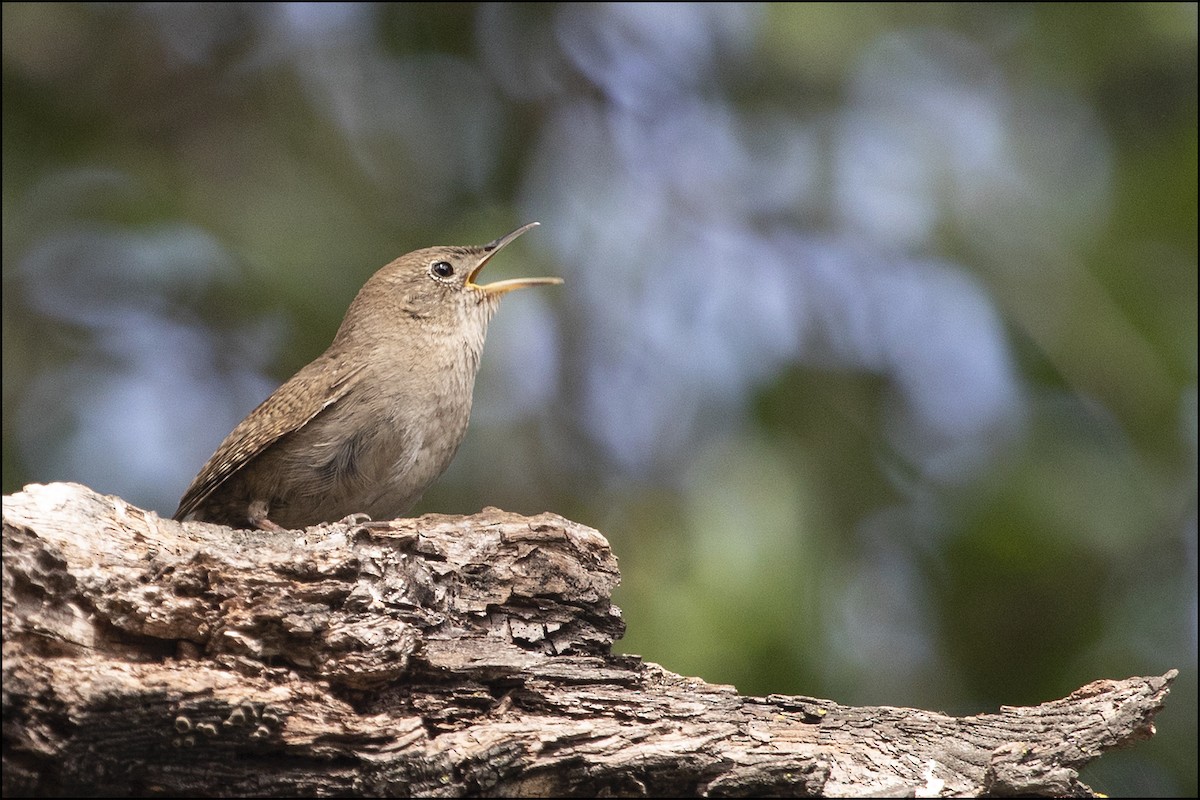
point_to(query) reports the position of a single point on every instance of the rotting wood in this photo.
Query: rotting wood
(439, 656)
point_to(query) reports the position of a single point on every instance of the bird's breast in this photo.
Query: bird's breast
(415, 422)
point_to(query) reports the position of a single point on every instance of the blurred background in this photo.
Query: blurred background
(876, 359)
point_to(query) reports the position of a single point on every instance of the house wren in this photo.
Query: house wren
(376, 418)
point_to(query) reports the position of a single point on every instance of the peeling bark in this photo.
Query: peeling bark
(439, 656)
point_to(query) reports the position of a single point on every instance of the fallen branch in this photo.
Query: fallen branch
(440, 656)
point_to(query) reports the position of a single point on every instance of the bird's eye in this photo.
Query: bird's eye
(442, 269)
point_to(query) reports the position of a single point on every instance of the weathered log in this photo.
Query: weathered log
(439, 656)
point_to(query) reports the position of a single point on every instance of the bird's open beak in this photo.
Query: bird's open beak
(500, 287)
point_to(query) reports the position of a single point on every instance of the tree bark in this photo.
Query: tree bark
(439, 656)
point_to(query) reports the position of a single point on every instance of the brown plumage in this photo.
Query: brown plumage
(377, 417)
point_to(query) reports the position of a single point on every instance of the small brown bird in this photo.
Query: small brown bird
(376, 418)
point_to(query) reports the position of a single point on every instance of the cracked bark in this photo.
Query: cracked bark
(439, 656)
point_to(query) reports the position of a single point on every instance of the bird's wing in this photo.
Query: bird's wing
(288, 409)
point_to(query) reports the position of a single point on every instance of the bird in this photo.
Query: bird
(366, 427)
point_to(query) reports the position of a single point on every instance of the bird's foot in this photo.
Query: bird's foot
(257, 514)
(363, 521)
